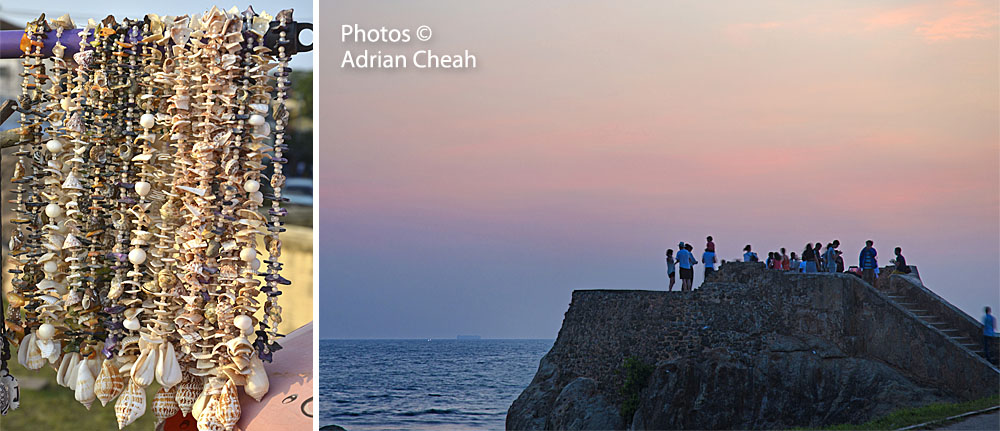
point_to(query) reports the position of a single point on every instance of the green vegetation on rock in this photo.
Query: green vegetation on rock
(637, 375)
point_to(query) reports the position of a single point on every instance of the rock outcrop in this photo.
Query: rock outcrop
(753, 348)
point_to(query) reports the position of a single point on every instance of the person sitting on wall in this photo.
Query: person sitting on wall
(989, 331)
(749, 256)
(794, 263)
(809, 259)
(786, 263)
(900, 261)
(840, 259)
(709, 259)
(868, 262)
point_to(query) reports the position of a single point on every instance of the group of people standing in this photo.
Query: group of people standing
(814, 258)
(686, 261)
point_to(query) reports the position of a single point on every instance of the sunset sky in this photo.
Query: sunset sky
(591, 137)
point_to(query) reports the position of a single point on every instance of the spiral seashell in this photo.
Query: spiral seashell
(144, 369)
(228, 406)
(109, 384)
(130, 405)
(85, 384)
(168, 370)
(208, 420)
(164, 404)
(257, 382)
(188, 391)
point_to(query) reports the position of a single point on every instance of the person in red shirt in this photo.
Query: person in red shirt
(786, 264)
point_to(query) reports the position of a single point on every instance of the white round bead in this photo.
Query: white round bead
(244, 323)
(248, 254)
(46, 331)
(137, 256)
(257, 197)
(50, 267)
(53, 210)
(255, 264)
(147, 121)
(142, 188)
(54, 146)
(251, 186)
(256, 120)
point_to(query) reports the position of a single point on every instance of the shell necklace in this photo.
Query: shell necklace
(138, 203)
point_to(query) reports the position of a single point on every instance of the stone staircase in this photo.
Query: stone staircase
(954, 334)
(909, 292)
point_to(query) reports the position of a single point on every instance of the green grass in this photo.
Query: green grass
(918, 415)
(54, 408)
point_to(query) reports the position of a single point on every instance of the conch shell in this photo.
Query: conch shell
(164, 404)
(227, 408)
(110, 383)
(208, 420)
(187, 392)
(257, 383)
(85, 384)
(144, 370)
(168, 370)
(130, 405)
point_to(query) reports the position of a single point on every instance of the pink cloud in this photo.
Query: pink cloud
(933, 22)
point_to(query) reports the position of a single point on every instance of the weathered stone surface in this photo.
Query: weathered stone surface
(789, 386)
(581, 406)
(753, 348)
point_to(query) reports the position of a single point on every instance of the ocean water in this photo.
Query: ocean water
(423, 385)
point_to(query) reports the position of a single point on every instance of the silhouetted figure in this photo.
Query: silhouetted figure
(671, 265)
(901, 266)
(830, 257)
(748, 255)
(685, 261)
(794, 263)
(840, 260)
(709, 246)
(819, 257)
(989, 331)
(709, 259)
(868, 261)
(786, 263)
(809, 257)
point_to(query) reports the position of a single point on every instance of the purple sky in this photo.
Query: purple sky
(592, 137)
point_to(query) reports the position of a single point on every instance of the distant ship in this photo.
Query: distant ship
(469, 337)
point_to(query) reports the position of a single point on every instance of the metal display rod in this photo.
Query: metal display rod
(10, 40)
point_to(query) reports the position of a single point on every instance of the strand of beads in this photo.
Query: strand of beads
(127, 267)
(273, 279)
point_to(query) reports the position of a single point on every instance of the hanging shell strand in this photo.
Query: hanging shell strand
(140, 180)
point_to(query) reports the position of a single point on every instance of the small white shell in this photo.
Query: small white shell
(257, 382)
(85, 384)
(168, 370)
(144, 369)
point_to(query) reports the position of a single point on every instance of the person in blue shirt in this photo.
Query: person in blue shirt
(989, 331)
(709, 259)
(748, 255)
(685, 260)
(868, 262)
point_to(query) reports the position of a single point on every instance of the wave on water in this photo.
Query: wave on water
(415, 384)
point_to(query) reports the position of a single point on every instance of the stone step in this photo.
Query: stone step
(907, 304)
